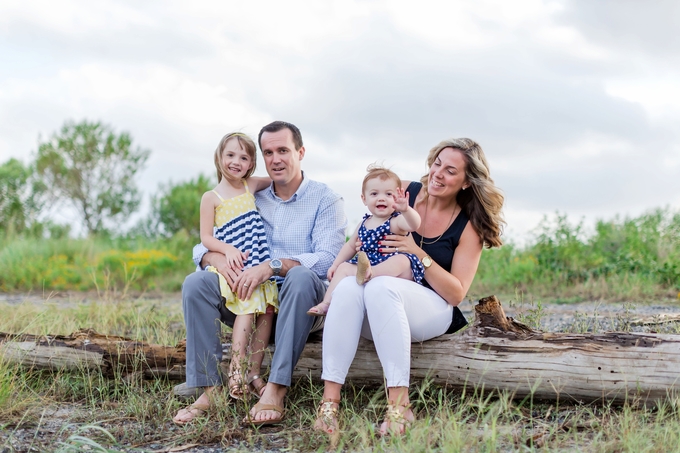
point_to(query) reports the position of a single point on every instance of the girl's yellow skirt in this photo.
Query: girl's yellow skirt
(266, 293)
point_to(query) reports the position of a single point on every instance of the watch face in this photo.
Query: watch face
(427, 262)
(276, 266)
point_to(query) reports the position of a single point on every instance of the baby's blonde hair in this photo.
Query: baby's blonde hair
(378, 171)
(246, 142)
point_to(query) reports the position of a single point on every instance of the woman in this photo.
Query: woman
(460, 208)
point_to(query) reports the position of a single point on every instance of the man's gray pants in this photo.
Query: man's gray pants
(204, 310)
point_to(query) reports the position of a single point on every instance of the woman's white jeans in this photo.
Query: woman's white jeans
(393, 312)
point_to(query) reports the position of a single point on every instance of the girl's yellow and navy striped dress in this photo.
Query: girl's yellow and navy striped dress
(238, 223)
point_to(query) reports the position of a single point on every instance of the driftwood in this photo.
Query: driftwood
(499, 353)
(84, 349)
(496, 353)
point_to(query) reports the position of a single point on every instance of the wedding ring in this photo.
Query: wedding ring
(245, 286)
(397, 249)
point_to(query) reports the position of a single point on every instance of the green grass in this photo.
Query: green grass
(622, 259)
(154, 321)
(131, 414)
(633, 259)
(97, 264)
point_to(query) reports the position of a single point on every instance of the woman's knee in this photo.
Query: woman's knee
(347, 292)
(381, 291)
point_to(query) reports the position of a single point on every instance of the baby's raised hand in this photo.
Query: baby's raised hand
(400, 200)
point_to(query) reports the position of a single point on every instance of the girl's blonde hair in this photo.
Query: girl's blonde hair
(483, 202)
(378, 171)
(247, 144)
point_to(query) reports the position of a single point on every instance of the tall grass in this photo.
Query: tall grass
(131, 414)
(621, 259)
(124, 414)
(102, 264)
(151, 320)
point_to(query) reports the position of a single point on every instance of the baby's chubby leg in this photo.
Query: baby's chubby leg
(395, 266)
(343, 270)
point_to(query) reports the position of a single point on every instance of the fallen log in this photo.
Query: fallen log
(499, 353)
(496, 353)
(86, 349)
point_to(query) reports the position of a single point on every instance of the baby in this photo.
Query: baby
(389, 214)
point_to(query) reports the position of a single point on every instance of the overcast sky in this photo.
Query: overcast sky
(576, 103)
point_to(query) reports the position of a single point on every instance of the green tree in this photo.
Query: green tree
(21, 197)
(94, 169)
(177, 207)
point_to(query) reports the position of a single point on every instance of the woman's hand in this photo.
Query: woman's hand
(397, 243)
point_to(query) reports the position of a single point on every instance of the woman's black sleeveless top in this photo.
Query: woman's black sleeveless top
(442, 250)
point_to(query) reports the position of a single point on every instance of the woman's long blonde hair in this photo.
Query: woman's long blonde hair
(484, 202)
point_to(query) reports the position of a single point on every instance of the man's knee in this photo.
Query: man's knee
(299, 275)
(301, 285)
(201, 287)
(197, 281)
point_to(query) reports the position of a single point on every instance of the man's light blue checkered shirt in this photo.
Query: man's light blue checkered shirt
(308, 228)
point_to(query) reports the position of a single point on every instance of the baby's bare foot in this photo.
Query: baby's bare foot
(364, 272)
(319, 310)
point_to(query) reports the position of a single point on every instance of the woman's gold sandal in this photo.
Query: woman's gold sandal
(396, 416)
(327, 416)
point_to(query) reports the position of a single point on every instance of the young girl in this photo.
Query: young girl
(230, 224)
(389, 214)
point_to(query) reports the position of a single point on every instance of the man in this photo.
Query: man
(305, 227)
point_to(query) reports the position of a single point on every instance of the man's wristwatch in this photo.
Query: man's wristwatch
(427, 261)
(276, 266)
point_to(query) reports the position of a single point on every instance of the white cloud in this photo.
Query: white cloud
(571, 119)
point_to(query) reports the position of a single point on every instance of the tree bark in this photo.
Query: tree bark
(86, 349)
(496, 353)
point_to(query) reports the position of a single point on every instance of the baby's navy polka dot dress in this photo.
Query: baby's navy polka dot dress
(370, 244)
